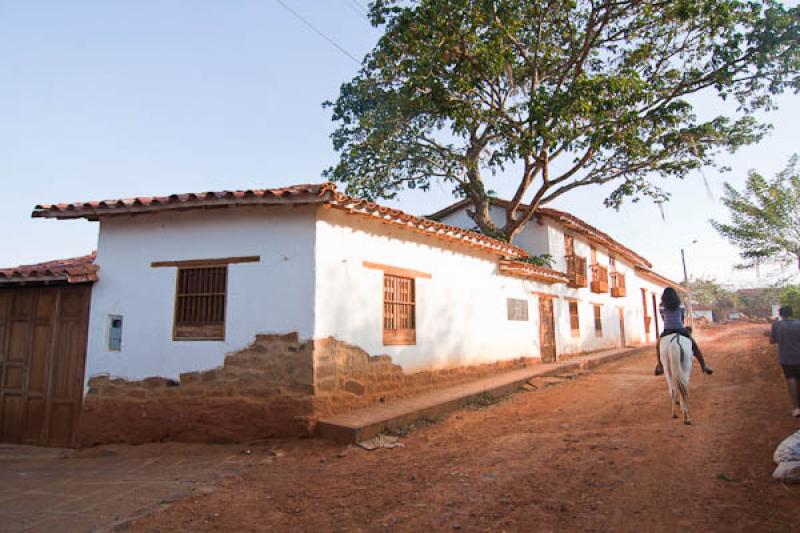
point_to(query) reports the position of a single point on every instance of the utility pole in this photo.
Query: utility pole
(685, 276)
(686, 285)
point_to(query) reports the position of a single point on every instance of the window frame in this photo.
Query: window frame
(399, 336)
(598, 320)
(217, 335)
(569, 244)
(574, 328)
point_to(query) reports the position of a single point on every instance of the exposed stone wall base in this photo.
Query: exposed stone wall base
(349, 378)
(264, 390)
(277, 386)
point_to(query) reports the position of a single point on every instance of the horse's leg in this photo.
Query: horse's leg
(676, 403)
(686, 419)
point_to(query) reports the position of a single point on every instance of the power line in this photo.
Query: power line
(318, 31)
(356, 8)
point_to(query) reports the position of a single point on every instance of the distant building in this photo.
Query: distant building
(701, 311)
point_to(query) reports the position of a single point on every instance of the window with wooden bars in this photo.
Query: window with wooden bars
(598, 320)
(200, 303)
(399, 310)
(569, 244)
(574, 320)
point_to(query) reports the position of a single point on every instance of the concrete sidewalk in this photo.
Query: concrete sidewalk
(364, 424)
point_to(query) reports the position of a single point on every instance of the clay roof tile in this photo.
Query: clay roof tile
(72, 270)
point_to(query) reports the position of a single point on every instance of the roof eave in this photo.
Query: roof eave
(94, 213)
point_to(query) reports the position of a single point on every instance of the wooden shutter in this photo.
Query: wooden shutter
(569, 245)
(574, 320)
(399, 310)
(200, 303)
(598, 321)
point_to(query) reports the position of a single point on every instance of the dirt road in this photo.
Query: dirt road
(596, 453)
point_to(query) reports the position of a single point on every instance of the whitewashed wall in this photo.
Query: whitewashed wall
(534, 238)
(547, 237)
(275, 295)
(461, 310)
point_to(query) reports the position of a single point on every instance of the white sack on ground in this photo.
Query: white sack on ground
(789, 449)
(788, 472)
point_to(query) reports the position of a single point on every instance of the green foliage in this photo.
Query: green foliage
(544, 260)
(758, 302)
(707, 292)
(765, 217)
(565, 94)
(791, 296)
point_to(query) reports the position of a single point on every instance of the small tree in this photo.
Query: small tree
(564, 93)
(791, 296)
(765, 217)
(707, 292)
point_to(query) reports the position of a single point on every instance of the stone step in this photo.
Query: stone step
(363, 424)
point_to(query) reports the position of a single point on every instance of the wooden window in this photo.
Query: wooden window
(517, 309)
(574, 319)
(594, 255)
(399, 310)
(598, 320)
(200, 303)
(569, 244)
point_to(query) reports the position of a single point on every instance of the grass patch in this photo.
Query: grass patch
(482, 401)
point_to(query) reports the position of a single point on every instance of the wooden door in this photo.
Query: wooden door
(43, 334)
(622, 326)
(547, 330)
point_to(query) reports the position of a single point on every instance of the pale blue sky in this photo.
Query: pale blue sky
(114, 99)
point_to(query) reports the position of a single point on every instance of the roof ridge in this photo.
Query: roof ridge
(319, 193)
(556, 214)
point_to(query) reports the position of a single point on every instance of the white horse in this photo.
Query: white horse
(676, 358)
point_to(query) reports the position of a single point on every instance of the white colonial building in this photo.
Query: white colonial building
(295, 302)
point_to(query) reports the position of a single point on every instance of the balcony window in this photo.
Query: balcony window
(599, 278)
(618, 289)
(576, 271)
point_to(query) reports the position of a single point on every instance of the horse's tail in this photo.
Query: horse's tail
(677, 356)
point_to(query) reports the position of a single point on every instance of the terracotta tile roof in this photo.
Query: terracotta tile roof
(425, 225)
(309, 193)
(323, 193)
(567, 219)
(523, 269)
(73, 270)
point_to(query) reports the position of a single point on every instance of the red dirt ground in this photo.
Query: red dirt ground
(593, 454)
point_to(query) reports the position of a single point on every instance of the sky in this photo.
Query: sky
(103, 100)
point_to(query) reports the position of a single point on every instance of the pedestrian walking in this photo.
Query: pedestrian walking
(786, 334)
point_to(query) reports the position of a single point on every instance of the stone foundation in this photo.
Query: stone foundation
(277, 386)
(264, 390)
(349, 378)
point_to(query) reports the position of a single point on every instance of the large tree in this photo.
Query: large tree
(765, 217)
(555, 95)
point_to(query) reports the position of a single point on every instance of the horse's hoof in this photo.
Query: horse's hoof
(674, 416)
(687, 422)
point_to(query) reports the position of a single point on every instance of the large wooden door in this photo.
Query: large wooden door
(622, 326)
(43, 334)
(547, 330)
